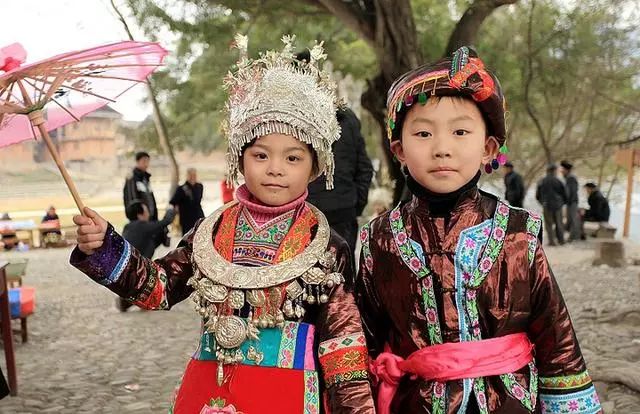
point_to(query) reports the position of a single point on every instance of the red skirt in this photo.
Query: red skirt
(250, 389)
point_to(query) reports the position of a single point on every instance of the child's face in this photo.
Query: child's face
(444, 143)
(277, 168)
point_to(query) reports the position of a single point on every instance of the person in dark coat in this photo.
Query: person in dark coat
(574, 225)
(143, 234)
(599, 210)
(514, 186)
(352, 178)
(137, 186)
(187, 201)
(552, 195)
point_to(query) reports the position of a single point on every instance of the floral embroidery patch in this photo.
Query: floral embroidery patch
(420, 269)
(581, 402)
(288, 345)
(311, 393)
(527, 398)
(533, 228)
(366, 250)
(344, 359)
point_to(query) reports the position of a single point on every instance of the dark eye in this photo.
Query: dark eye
(460, 132)
(261, 156)
(423, 134)
(293, 158)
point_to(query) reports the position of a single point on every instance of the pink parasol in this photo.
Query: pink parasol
(42, 96)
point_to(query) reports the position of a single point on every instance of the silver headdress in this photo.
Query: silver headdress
(278, 94)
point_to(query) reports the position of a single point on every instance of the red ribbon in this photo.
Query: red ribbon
(451, 361)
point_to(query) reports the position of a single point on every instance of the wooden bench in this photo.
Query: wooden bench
(602, 230)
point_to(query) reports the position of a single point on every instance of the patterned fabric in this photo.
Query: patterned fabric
(311, 393)
(580, 402)
(527, 398)
(287, 345)
(534, 222)
(470, 246)
(296, 237)
(569, 394)
(366, 250)
(344, 359)
(291, 348)
(420, 269)
(153, 295)
(108, 263)
(256, 245)
(568, 382)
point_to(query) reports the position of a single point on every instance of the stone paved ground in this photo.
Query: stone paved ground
(83, 354)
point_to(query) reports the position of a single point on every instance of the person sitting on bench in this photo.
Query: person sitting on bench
(598, 210)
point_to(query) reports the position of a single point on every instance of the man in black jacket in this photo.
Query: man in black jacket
(137, 186)
(574, 225)
(187, 199)
(552, 195)
(514, 186)
(599, 210)
(143, 234)
(352, 179)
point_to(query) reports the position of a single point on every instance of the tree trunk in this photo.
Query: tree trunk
(158, 120)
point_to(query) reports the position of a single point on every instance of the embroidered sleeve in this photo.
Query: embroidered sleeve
(344, 359)
(569, 394)
(149, 284)
(564, 384)
(342, 351)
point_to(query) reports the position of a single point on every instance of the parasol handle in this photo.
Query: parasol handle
(37, 120)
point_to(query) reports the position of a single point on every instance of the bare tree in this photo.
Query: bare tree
(158, 120)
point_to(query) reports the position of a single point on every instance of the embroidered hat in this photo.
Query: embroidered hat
(462, 74)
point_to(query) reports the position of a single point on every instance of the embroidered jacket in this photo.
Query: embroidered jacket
(481, 275)
(284, 357)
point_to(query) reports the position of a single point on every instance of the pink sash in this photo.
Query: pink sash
(451, 361)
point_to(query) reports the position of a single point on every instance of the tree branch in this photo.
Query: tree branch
(355, 18)
(468, 26)
(625, 142)
(527, 88)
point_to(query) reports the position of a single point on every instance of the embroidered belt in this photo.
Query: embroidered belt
(290, 347)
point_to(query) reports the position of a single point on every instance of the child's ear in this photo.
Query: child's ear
(491, 148)
(397, 150)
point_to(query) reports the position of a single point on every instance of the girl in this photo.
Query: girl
(269, 278)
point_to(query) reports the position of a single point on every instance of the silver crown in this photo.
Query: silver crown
(278, 94)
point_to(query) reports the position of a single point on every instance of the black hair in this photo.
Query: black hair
(566, 165)
(591, 185)
(142, 154)
(134, 209)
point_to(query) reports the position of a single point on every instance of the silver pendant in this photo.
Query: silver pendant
(236, 299)
(294, 289)
(256, 298)
(231, 331)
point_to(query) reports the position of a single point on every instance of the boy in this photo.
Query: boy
(454, 288)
